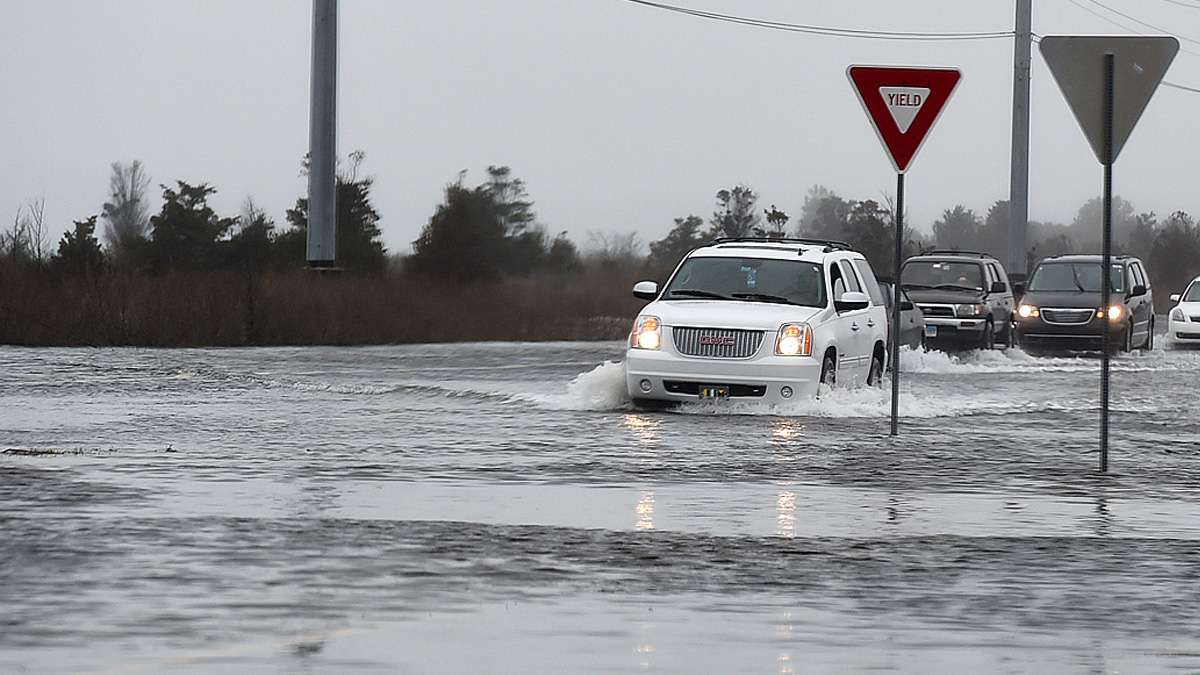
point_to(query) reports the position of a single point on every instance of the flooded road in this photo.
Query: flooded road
(501, 508)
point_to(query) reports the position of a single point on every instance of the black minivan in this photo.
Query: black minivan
(1062, 306)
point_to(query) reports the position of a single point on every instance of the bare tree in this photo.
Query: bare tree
(127, 213)
(35, 229)
(26, 239)
(14, 243)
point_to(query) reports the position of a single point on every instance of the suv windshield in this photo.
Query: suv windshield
(749, 279)
(943, 274)
(1073, 278)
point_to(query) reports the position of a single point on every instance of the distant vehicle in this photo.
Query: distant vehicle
(1183, 321)
(965, 296)
(1063, 308)
(912, 319)
(758, 319)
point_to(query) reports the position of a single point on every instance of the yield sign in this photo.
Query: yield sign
(1077, 63)
(903, 104)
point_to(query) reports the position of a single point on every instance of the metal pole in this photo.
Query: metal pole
(322, 187)
(895, 336)
(1106, 258)
(1018, 199)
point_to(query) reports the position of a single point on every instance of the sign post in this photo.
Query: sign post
(1091, 71)
(902, 104)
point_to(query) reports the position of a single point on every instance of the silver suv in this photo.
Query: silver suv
(965, 296)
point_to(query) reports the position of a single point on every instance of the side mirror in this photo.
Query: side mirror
(645, 290)
(906, 305)
(852, 300)
(1175, 297)
(999, 287)
(1137, 291)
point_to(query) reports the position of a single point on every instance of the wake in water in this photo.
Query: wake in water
(602, 389)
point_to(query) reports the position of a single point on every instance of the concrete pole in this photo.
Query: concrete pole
(1018, 199)
(322, 186)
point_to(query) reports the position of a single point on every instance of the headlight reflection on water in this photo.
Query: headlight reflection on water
(644, 428)
(645, 510)
(785, 514)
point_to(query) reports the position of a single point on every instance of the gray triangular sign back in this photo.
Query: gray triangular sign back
(1077, 63)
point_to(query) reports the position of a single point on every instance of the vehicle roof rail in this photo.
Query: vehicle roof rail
(827, 243)
(944, 251)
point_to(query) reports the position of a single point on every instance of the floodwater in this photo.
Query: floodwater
(499, 508)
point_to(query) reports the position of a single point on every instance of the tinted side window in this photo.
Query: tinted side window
(850, 276)
(835, 281)
(998, 275)
(868, 276)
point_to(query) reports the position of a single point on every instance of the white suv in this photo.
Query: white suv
(758, 319)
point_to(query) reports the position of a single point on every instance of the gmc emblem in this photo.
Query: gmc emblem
(717, 341)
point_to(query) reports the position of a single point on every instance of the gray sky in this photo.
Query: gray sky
(618, 117)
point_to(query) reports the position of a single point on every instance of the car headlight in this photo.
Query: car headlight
(970, 311)
(1177, 314)
(647, 333)
(795, 339)
(1027, 311)
(1115, 312)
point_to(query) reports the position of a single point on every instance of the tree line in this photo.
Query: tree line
(483, 237)
(1170, 246)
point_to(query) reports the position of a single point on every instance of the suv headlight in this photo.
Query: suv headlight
(647, 333)
(970, 311)
(1027, 311)
(794, 339)
(1177, 314)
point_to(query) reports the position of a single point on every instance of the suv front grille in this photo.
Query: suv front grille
(937, 310)
(717, 343)
(1067, 317)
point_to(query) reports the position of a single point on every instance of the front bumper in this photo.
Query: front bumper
(955, 330)
(1037, 332)
(675, 378)
(1183, 332)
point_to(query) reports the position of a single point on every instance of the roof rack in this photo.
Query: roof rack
(943, 251)
(827, 243)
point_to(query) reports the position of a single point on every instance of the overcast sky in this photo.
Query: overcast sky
(618, 117)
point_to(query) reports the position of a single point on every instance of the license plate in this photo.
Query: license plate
(930, 330)
(714, 391)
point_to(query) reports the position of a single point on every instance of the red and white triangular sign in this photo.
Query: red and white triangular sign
(903, 103)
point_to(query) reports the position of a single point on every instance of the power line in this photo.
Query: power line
(1125, 27)
(1166, 83)
(827, 30)
(1179, 86)
(1183, 4)
(1142, 23)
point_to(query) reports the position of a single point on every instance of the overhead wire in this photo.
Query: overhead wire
(827, 30)
(904, 35)
(1143, 23)
(1089, 10)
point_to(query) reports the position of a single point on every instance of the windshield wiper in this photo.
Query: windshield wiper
(906, 286)
(956, 286)
(765, 297)
(697, 293)
(1075, 278)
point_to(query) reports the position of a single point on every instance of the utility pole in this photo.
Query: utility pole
(322, 186)
(1018, 199)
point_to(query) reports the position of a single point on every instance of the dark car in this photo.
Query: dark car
(965, 297)
(912, 321)
(1063, 308)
